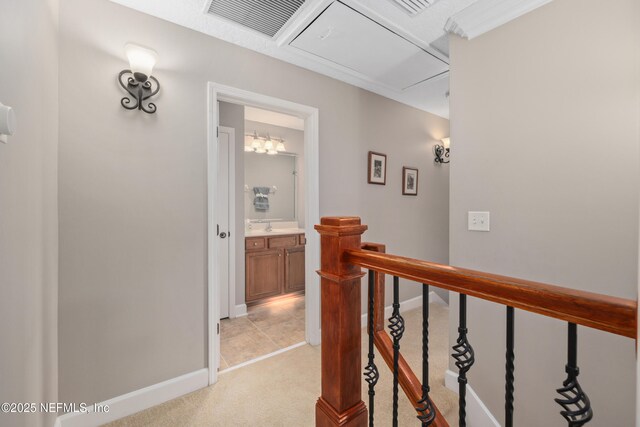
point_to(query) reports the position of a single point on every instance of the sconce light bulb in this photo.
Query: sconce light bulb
(141, 61)
(446, 142)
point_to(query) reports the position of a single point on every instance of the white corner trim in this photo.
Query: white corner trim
(407, 305)
(478, 415)
(240, 310)
(485, 15)
(137, 401)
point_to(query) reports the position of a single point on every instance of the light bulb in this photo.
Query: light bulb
(280, 146)
(445, 142)
(256, 144)
(141, 61)
(261, 150)
(272, 152)
(268, 144)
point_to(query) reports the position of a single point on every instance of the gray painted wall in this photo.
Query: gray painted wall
(133, 194)
(545, 118)
(28, 208)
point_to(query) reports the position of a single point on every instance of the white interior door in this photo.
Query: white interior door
(223, 229)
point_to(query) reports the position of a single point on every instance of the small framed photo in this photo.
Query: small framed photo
(409, 181)
(377, 168)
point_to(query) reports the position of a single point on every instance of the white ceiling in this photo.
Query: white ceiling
(407, 57)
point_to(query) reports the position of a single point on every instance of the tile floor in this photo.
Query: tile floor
(265, 329)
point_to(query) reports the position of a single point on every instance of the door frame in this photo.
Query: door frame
(231, 181)
(218, 92)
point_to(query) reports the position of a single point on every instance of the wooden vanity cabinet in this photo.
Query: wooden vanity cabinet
(274, 266)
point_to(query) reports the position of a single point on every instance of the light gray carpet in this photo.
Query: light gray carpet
(282, 390)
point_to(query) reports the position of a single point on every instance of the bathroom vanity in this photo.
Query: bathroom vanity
(274, 263)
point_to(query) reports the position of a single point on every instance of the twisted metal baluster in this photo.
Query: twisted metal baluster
(427, 413)
(396, 326)
(371, 371)
(575, 402)
(463, 354)
(510, 367)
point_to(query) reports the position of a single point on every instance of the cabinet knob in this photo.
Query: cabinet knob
(255, 243)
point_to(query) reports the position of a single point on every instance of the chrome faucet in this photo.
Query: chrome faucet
(269, 228)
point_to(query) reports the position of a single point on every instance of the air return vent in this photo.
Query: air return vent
(264, 16)
(414, 7)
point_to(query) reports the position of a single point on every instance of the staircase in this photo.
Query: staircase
(342, 258)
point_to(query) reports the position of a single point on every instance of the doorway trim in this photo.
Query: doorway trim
(218, 92)
(232, 218)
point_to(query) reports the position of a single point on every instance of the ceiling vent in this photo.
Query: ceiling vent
(265, 16)
(414, 7)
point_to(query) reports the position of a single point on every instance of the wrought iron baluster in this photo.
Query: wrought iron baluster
(510, 367)
(428, 414)
(396, 326)
(575, 402)
(464, 357)
(371, 371)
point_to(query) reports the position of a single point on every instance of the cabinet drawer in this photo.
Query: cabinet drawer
(283, 241)
(254, 243)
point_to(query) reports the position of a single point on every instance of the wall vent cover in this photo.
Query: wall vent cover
(264, 16)
(414, 7)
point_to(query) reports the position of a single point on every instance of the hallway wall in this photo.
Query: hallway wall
(133, 195)
(545, 134)
(28, 208)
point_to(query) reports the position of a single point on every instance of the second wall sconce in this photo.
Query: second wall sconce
(138, 81)
(441, 151)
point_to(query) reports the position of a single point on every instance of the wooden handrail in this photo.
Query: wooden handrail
(603, 312)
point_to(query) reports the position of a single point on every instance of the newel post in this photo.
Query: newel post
(341, 401)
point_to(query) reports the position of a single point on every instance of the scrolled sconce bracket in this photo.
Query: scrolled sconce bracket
(139, 92)
(441, 153)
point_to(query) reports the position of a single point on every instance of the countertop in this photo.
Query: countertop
(274, 232)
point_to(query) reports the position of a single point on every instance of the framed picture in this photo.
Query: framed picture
(377, 168)
(409, 181)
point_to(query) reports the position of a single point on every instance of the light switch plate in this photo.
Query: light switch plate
(479, 221)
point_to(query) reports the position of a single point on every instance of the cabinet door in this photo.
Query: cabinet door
(294, 269)
(264, 275)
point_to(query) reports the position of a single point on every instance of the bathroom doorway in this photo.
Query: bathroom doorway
(273, 299)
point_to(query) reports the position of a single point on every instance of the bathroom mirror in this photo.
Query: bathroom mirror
(270, 186)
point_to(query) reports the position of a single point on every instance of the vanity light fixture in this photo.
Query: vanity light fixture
(254, 144)
(441, 151)
(138, 81)
(270, 145)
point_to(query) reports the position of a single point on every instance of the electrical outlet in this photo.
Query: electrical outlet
(479, 221)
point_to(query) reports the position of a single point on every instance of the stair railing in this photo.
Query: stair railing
(342, 257)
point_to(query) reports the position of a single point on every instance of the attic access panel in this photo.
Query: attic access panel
(350, 39)
(264, 16)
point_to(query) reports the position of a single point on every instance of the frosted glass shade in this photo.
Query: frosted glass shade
(445, 142)
(280, 146)
(141, 60)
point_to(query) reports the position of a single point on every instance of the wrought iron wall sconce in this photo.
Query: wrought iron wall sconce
(441, 151)
(138, 81)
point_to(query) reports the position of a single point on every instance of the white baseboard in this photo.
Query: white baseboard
(407, 305)
(137, 401)
(240, 310)
(478, 415)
